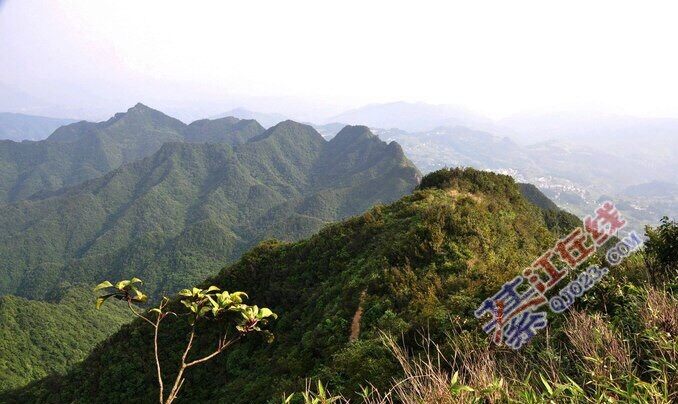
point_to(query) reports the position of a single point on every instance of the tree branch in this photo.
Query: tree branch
(179, 381)
(129, 304)
(222, 346)
(157, 358)
(189, 345)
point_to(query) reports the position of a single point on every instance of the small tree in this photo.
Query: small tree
(202, 304)
(661, 250)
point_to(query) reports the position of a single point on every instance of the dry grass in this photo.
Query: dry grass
(474, 371)
(427, 378)
(423, 380)
(603, 354)
(661, 311)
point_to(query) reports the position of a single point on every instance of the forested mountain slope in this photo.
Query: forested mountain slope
(177, 216)
(42, 338)
(229, 130)
(418, 263)
(86, 150)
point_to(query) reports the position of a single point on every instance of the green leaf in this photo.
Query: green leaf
(102, 299)
(121, 285)
(186, 293)
(212, 301)
(546, 384)
(237, 296)
(140, 297)
(135, 291)
(103, 285)
(266, 312)
(135, 280)
(212, 289)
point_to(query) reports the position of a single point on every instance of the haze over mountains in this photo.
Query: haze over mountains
(576, 160)
(265, 119)
(412, 117)
(20, 127)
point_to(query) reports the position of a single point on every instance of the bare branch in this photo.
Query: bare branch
(157, 358)
(223, 344)
(189, 345)
(129, 304)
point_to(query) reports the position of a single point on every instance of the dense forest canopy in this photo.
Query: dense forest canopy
(419, 262)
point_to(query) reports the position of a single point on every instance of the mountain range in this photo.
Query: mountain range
(573, 175)
(171, 203)
(85, 150)
(192, 207)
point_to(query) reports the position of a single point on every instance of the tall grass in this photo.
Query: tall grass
(603, 365)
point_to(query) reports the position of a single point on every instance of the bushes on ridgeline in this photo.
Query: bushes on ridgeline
(661, 250)
(620, 344)
(605, 367)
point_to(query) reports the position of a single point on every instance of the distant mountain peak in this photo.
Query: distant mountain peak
(140, 108)
(290, 130)
(136, 110)
(267, 120)
(355, 132)
(230, 130)
(146, 113)
(230, 119)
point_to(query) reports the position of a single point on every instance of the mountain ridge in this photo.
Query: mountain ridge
(84, 150)
(431, 256)
(228, 195)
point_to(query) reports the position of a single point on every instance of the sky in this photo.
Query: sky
(319, 57)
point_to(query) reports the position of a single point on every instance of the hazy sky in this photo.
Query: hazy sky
(496, 57)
